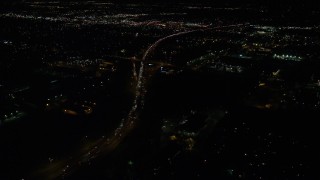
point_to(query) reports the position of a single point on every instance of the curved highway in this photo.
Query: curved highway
(91, 150)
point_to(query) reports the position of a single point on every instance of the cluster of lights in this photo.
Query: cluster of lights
(79, 62)
(287, 57)
(12, 116)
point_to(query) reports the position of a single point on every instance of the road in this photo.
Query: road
(57, 169)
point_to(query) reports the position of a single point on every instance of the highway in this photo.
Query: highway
(60, 168)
